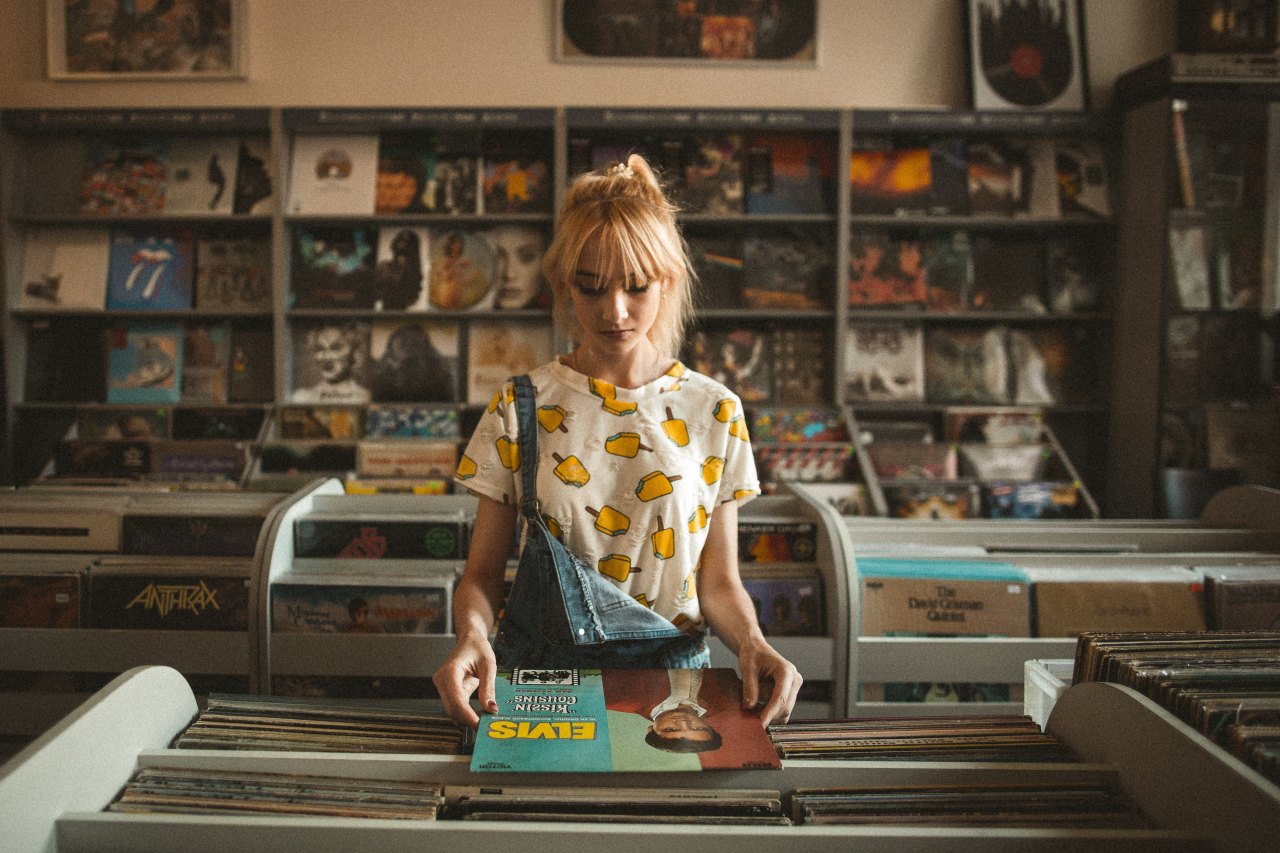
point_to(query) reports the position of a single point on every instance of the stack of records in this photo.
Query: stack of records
(1224, 684)
(979, 737)
(615, 805)
(203, 791)
(1049, 805)
(234, 721)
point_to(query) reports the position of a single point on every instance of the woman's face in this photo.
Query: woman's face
(517, 269)
(333, 355)
(615, 315)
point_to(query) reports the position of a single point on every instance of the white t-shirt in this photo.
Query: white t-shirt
(627, 477)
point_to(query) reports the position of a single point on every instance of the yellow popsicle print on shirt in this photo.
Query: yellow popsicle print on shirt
(466, 468)
(663, 541)
(609, 394)
(698, 520)
(655, 484)
(676, 429)
(712, 468)
(616, 566)
(508, 453)
(551, 418)
(609, 521)
(738, 428)
(725, 410)
(626, 444)
(570, 470)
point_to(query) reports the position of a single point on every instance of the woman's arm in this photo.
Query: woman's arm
(732, 617)
(471, 667)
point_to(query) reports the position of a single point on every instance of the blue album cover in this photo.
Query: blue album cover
(144, 363)
(152, 271)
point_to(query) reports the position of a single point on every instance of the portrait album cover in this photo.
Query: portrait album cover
(613, 720)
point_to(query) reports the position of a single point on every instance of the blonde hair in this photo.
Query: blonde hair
(623, 206)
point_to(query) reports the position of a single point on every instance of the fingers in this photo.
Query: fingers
(486, 694)
(786, 687)
(750, 687)
(454, 695)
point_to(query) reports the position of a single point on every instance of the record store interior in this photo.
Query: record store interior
(740, 423)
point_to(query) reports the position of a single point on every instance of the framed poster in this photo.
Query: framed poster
(145, 39)
(1027, 55)
(686, 31)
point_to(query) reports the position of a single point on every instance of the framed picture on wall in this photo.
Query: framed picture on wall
(1027, 55)
(687, 31)
(145, 39)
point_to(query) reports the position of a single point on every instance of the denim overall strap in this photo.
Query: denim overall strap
(527, 424)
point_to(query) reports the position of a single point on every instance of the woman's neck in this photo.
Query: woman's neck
(637, 368)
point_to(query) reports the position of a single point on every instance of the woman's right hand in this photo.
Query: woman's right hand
(470, 668)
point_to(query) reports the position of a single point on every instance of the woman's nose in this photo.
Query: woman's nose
(615, 304)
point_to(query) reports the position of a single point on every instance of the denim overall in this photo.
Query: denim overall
(561, 613)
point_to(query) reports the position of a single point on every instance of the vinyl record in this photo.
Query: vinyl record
(1027, 55)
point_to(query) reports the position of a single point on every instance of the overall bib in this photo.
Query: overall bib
(561, 613)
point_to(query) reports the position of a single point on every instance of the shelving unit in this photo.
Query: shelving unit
(1244, 527)
(52, 793)
(1193, 374)
(47, 153)
(993, 298)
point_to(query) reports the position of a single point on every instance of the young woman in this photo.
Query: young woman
(639, 469)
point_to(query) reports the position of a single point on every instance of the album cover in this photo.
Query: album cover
(151, 271)
(65, 360)
(454, 186)
(901, 176)
(496, 351)
(1007, 274)
(46, 598)
(251, 376)
(786, 272)
(255, 188)
(787, 605)
(414, 362)
(1073, 275)
(201, 176)
(319, 422)
(1243, 437)
(789, 173)
(795, 424)
(517, 267)
(948, 260)
(1189, 247)
(331, 362)
(438, 536)
(333, 267)
(721, 268)
(400, 271)
(114, 423)
(201, 594)
(999, 178)
(370, 604)
(1084, 186)
(199, 423)
(64, 269)
(406, 166)
(145, 363)
(334, 173)
(517, 176)
(713, 183)
(808, 462)
(1052, 364)
(125, 178)
(1002, 37)
(887, 271)
(739, 358)
(212, 461)
(801, 366)
(885, 361)
(460, 271)
(1034, 500)
(913, 460)
(981, 425)
(420, 458)
(203, 525)
(1182, 347)
(557, 720)
(304, 457)
(103, 459)
(384, 420)
(233, 274)
(1013, 462)
(966, 364)
(206, 362)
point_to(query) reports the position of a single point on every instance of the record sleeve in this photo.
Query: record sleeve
(331, 362)
(145, 363)
(334, 173)
(206, 362)
(333, 267)
(713, 175)
(497, 351)
(885, 361)
(151, 270)
(886, 271)
(1026, 56)
(966, 364)
(64, 269)
(233, 274)
(254, 189)
(371, 604)
(789, 173)
(414, 362)
(125, 179)
(741, 359)
(461, 269)
(201, 175)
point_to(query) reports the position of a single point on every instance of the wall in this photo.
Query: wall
(872, 53)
